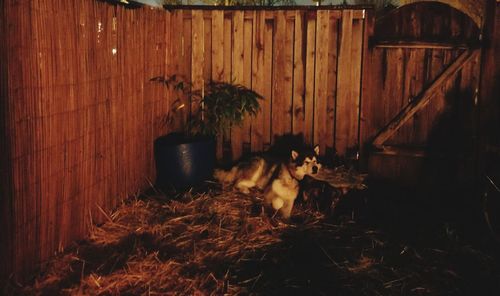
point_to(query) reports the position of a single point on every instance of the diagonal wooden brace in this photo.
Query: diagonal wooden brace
(422, 100)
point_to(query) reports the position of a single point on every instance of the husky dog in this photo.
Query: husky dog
(277, 178)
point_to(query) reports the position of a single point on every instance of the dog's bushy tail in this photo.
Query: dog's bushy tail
(225, 176)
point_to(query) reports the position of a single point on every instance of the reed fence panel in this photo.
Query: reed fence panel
(81, 118)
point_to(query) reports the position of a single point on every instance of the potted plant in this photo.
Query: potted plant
(186, 158)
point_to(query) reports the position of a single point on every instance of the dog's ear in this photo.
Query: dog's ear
(295, 154)
(316, 149)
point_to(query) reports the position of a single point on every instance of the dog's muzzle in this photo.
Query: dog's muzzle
(314, 169)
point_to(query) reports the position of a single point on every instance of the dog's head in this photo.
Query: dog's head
(306, 162)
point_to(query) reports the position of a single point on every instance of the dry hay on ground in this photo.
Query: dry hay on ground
(223, 242)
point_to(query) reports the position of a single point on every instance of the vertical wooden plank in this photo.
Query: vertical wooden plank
(466, 108)
(344, 128)
(186, 64)
(207, 51)
(218, 61)
(282, 78)
(257, 137)
(368, 89)
(218, 45)
(175, 42)
(238, 44)
(247, 75)
(356, 54)
(227, 73)
(321, 86)
(411, 132)
(288, 78)
(268, 79)
(278, 102)
(435, 60)
(176, 45)
(298, 116)
(237, 77)
(228, 47)
(198, 57)
(392, 88)
(332, 83)
(309, 77)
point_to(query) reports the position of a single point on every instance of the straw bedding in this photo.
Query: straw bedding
(221, 242)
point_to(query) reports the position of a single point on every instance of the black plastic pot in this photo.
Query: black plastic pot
(183, 162)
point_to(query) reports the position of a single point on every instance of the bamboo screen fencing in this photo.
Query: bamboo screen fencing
(81, 114)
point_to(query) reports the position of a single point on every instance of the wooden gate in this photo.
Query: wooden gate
(420, 94)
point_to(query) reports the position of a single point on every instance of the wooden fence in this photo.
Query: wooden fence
(81, 114)
(306, 64)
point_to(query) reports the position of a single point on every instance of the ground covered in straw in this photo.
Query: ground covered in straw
(223, 242)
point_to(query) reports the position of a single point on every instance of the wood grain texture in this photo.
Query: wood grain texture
(258, 79)
(415, 105)
(321, 81)
(356, 59)
(247, 76)
(237, 77)
(207, 49)
(80, 133)
(198, 57)
(298, 115)
(344, 133)
(333, 46)
(310, 77)
(187, 56)
(367, 90)
(217, 50)
(290, 57)
(268, 84)
(282, 77)
(217, 62)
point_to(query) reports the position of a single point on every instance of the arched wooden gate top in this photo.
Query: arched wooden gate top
(473, 8)
(428, 21)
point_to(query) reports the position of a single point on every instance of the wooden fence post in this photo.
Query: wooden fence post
(366, 88)
(489, 105)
